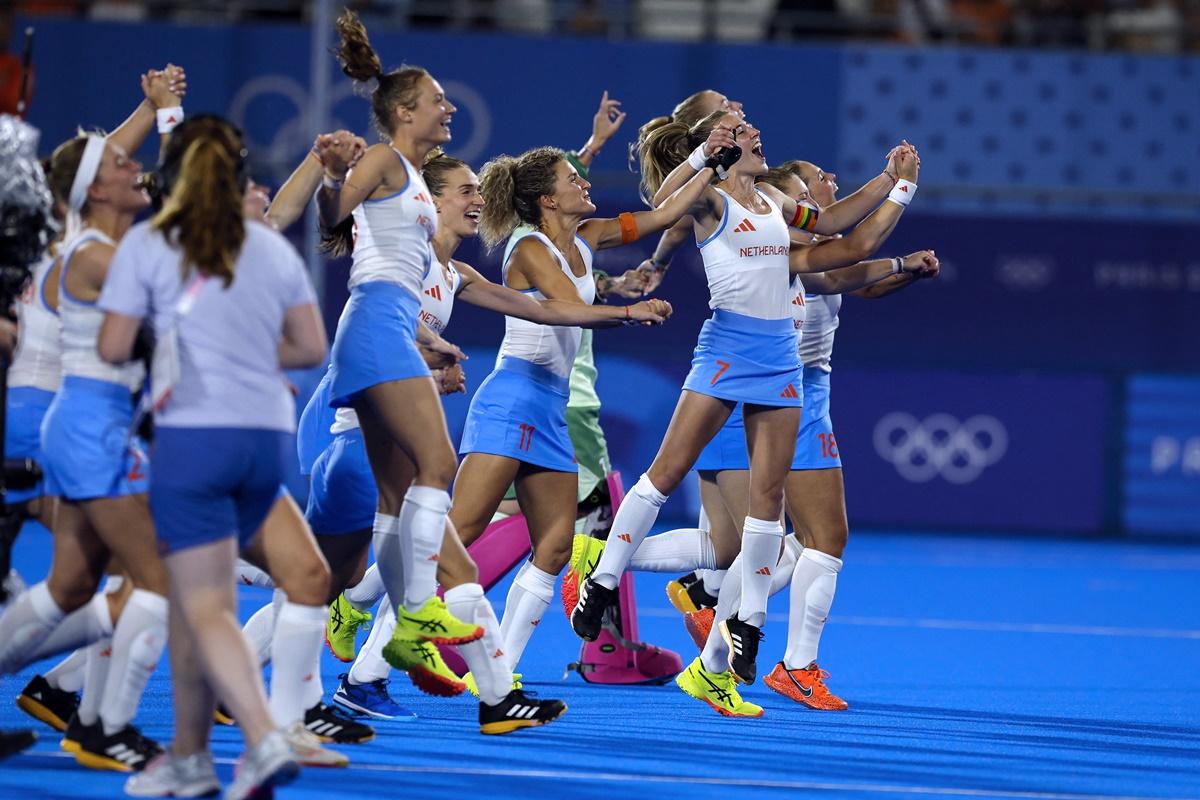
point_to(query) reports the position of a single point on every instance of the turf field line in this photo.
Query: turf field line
(754, 783)
(972, 625)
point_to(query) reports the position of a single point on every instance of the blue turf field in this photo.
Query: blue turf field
(975, 667)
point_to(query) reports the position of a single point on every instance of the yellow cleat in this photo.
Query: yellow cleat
(473, 688)
(342, 628)
(717, 689)
(429, 671)
(585, 556)
(432, 623)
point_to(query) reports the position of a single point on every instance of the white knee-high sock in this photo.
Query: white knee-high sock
(761, 540)
(485, 656)
(634, 519)
(814, 582)
(366, 593)
(67, 675)
(138, 641)
(675, 551)
(715, 655)
(422, 526)
(369, 665)
(78, 629)
(389, 560)
(782, 576)
(25, 625)
(95, 676)
(713, 580)
(299, 632)
(259, 629)
(528, 598)
(249, 575)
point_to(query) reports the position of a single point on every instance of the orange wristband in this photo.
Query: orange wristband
(629, 229)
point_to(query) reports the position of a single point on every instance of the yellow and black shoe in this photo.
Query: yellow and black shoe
(518, 710)
(222, 715)
(127, 750)
(717, 689)
(44, 703)
(688, 595)
(74, 733)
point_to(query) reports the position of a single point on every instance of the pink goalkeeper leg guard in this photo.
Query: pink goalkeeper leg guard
(617, 657)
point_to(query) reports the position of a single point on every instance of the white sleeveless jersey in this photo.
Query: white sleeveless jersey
(392, 235)
(81, 327)
(38, 360)
(437, 303)
(553, 347)
(746, 262)
(816, 342)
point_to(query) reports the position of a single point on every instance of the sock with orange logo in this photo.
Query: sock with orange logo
(633, 521)
(761, 541)
(528, 598)
(295, 660)
(485, 656)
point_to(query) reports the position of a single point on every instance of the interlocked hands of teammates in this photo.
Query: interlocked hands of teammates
(165, 88)
(339, 152)
(902, 160)
(922, 264)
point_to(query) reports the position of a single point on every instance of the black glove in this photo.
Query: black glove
(723, 159)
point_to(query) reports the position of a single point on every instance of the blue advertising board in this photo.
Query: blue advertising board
(1001, 451)
(1161, 465)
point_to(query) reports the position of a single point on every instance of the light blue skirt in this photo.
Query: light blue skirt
(747, 360)
(815, 446)
(520, 411)
(375, 341)
(27, 407)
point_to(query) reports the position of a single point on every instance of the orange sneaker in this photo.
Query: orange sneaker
(698, 624)
(805, 686)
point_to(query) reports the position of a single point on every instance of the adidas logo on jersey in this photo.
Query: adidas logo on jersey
(435, 292)
(421, 197)
(790, 391)
(625, 537)
(745, 226)
(799, 300)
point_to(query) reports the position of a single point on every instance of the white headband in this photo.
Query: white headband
(89, 165)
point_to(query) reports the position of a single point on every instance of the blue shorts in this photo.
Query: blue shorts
(88, 448)
(312, 434)
(815, 446)
(342, 497)
(375, 341)
(747, 360)
(27, 407)
(520, 411)
(213, 483)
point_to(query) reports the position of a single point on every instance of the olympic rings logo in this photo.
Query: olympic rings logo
(921, 450)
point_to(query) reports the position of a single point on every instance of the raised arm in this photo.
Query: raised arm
(898, 272)
(605, 125)
(342, 190)
(720, 138)
(479, 291)
(163, 89)
(931, 269)
(340, 150)
(694, 197)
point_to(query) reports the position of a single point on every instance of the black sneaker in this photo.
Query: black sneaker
(700, 596)
(222, 715)
(13, 742)
(125, 751)
(588, 616)
(74, 733)
(331, 724)
(518, 710)
(743, 639)
(46, 704)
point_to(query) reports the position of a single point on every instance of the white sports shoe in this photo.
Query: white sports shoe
(270, 763)
(307, 747)
(169, 775)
